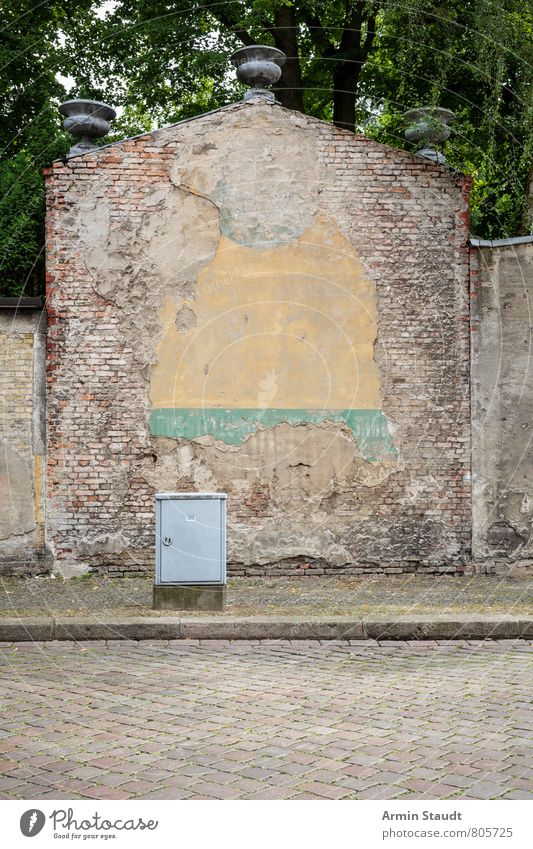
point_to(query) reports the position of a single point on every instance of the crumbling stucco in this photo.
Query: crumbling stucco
(288, 336)
(502, 410)
(265, 189)
(16, 494)
(213, 243)
(21, 441)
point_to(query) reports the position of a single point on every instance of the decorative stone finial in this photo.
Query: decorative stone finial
(86, 120)
(430, 125)
(258, 66)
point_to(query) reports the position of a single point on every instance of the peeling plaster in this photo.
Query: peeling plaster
(288, 336)
(502, 409)
(17, 516)
(251, 184)
(103, 544)
(262, 202)
(185, 319)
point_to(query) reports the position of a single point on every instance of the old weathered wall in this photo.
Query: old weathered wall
(21, 441)
(259, 303)
(502, 410)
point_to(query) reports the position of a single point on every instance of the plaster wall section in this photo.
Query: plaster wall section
(258, 303)
(502, 415)
(22, 442)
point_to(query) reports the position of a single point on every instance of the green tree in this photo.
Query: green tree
(476, 58)
(358, 63)
(31, 58)
(181, 50)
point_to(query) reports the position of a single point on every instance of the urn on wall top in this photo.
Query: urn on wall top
(430, 125)
(86, 120)
(258, 66)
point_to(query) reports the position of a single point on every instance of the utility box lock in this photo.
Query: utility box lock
(190, 538)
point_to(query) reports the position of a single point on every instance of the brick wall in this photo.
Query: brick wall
(132, 228)
(22, 441)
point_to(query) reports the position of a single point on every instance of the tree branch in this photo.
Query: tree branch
(230, 21)
(370, 33)
(351, 34)
(316, 32)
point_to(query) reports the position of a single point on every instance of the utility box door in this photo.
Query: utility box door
(190, 538)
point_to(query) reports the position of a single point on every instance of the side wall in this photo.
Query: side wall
(258, 303)
(502, 425)
(22, 443)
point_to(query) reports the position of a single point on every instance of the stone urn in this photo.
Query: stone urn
(86, 120)
(429, 125)
(258, 66)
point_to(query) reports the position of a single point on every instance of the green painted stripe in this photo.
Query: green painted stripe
(369, 427)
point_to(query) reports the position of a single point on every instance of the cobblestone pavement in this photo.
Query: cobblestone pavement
(401, 594)
(267, 720)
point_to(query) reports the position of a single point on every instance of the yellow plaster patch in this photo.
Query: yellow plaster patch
(291, 327)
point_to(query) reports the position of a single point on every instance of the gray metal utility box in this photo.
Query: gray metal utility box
(190, 534)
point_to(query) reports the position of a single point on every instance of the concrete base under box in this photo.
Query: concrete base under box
(187, 597)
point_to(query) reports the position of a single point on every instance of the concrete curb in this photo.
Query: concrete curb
(29, 628)
(468, 627)
(77, 629)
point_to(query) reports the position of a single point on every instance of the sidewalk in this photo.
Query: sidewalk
(399, 607)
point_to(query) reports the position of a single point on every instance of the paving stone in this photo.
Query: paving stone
(484, 790)
(518, 794)
(309, 797)
(85, 772)
(285, 721)
(217, 791)
(379, 791)
(8, 783)
(103, 792)
(267, 792)
(168, 793)
(138, 787)
(457, 780)
(327, 791)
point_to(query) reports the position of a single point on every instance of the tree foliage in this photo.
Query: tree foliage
(30, 131)
(359, 63)
(476, 58)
